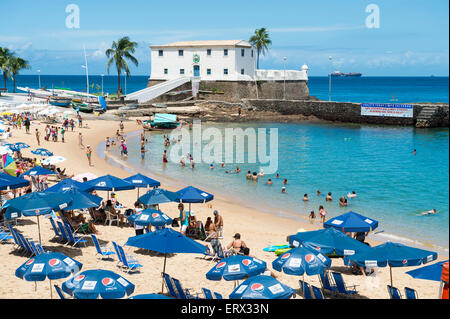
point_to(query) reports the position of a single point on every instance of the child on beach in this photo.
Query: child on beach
(165, 156)
(322, 213)
(312, 217)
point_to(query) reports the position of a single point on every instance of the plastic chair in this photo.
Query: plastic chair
(411, 293)
(101, 250)
(119, 257)
(394, 293)
(130, 265)
(340, 285)
(74, 240)
(110, 218)
(317, 292)
(208, 294)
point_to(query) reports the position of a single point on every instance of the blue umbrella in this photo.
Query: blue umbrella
(392, 255)
(150, 217)
(262, 287)
(42, 152)
(109, 183)
(158, 196)
(301, 260)
(150, 296)
(81, 200)
(36, 204)
(51, 265)
(191, 194)
(10, 182)
(143, 181)
(91, 283)
(328, 241)
(352, 222)
(431, 272)
(17, 146)
(236, 267)
(21, 145)
(38, 170)
(166, 241)
(66, 184)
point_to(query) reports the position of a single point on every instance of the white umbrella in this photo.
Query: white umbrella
(5, 150)
(89, 176)
(52, 160)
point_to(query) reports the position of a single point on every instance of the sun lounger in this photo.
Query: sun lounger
(217, 295)
(5, 237)
(208, 294)
(129, 265)
(341, 287)
(40, 249)
(394, 293)
(183, 293)
(59, 292)
(317, 292)
(17, 243)
(74, 240)
(25, 245)
(63, 232)
(410, 293)
(55, 229)
(34, 248)
(327, 284)
(306, 290)
(169, 285)
(103, 251)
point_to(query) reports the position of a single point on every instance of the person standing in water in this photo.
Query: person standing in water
(143, 150)
(165, 156)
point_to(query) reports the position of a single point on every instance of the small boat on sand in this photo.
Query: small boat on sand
(161, 121)
(59, 101)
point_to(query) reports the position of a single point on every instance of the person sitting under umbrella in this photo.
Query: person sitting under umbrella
(111, 209)
(79, 223)
(238, 245)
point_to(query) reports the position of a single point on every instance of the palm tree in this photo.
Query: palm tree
(14, 65)
(118, 52)
(261, 41)
(5, 53)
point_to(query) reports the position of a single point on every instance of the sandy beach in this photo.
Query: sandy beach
(258, 230)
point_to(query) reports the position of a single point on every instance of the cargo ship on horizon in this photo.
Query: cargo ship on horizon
(338, 73)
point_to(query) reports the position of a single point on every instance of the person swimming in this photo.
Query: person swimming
(269, 182)
(283, 190)
(305, 198)
(430, 212)
(351, 195)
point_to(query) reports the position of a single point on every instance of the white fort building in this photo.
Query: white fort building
(228, 66)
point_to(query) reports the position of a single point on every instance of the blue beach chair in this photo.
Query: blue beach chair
(40, 249)
(60, 292)
(169, 285)
(129, 265)
(327, 284)
(55, 229)
(182, 292)
(317, 292)
(34, 248)
(217, 295)
(340, 285)
(410, 293)
(17, 243)
(103, 251)
(74, 240)
(25, 244)
(394, 293)
(208, 294)
(306, 291)
(63, 232)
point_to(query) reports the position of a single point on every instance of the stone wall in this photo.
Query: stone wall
(342, 111)
(235, 91)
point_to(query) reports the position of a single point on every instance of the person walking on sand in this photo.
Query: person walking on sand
(80, 140)
(89, 154)
(80, 121)
(38, 134)
(121, 126)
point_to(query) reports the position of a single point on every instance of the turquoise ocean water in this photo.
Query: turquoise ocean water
(393, 185)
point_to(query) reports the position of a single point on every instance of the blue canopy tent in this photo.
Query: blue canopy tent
(38, 170)
(392, 255)
(236, 267)
(109, 183)
(66, 184)
(36, 204)
(329, 241)
(166, 241)
(352, 222)
(91, 284)
(143, 181)
(262, 287)
(10, 182)
(191, 194)
(158, 196)
(51, 265)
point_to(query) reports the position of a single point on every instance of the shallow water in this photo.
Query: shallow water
(392, 184)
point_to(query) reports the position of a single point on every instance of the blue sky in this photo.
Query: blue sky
(412, 38)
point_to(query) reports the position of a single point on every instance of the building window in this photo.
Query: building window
(225, 52)
(166, 71)
(252, 53)
(181, 71)
(208, 52)
(180, 52)
(225, 71)
(208, 71)
(160, 52)
(242, 52)
(242, 71)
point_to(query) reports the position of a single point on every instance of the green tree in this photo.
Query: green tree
(14, 64)
(261, 41)
(5, 54)
(118, 53)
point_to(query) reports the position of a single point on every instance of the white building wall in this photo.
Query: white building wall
(216, 62)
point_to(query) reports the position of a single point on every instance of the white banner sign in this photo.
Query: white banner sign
(391, 110)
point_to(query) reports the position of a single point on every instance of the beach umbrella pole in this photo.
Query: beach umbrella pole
(51, 292)
(162, 275)
(390, 271)
(39, 230)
